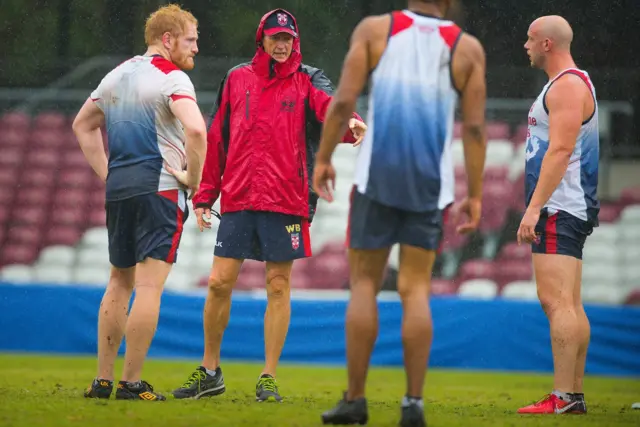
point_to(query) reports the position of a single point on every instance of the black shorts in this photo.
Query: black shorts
(375, 226)
(146, 226)
(561, 233)
(263, 236)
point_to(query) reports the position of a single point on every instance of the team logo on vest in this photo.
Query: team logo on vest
(282, 19)
(533, 143)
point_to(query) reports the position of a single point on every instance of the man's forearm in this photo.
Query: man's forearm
(474, 144)
(93, 149)
(554, 166)
(335, 126)
(196, 150)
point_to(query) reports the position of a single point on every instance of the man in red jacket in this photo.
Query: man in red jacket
(263, 139)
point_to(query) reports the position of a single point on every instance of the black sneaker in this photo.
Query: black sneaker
(99, 389)
(141, 390)
(412, 413)
(201, 384)
(267, 389)
(347, 412)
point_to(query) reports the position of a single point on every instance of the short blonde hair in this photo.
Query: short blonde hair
(170, 18)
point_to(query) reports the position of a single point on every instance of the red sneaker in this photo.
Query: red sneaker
(550, 404)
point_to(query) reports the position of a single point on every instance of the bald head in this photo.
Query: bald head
(555, 28)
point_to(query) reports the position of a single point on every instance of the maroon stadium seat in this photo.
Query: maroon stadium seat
(97, 186)
(300, 279)
(50, 120)
(79, 178)
(69, 215)
(34, 196)
(517, 196)
(62, 235)
(498, 130)
(41, 138)
(633, 298)
(33, 215)
(6, 195)
(460, 190)
(609, 212)
(250, 265)
(495, 204)
(334, 247)
(329, 270)
(43, 158)
(300, 274)
(10, 157)
(96, 199)
(9, 177)
(14, 138)
(71, 197)
(250, 279)
(5, 214)
(16, 120)
(25, 234)
(520, 135)
(97, 218)
(74, 158)
(443, 287)
(476, 269)
(496, 174)
(18, 254)
(630, 196)
(38, 177)
(514, 252)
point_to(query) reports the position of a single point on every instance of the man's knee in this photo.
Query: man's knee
(220, 286)
(408, 289)
(278, 285)
(553, 300)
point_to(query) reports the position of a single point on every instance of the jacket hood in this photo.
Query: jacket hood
(263, 62)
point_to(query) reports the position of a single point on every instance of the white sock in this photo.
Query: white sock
(408, 401)
(564, 396)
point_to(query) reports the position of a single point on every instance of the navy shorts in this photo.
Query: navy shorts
(146, 226)
(561, 233)
(373, 225)
(263, 236)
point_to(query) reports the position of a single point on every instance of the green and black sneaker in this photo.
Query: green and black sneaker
(140, 390)
(99, 389)
(267, 389)
(201, 384)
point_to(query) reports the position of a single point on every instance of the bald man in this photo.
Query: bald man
(561, 183)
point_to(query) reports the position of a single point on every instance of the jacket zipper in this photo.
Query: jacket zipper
(246, 105)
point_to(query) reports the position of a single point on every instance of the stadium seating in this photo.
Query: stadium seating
(52, 225)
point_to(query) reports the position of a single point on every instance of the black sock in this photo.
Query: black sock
(577, 396)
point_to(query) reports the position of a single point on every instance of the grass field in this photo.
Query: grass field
(47, 391)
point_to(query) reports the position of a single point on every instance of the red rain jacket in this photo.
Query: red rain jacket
(264, 135)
